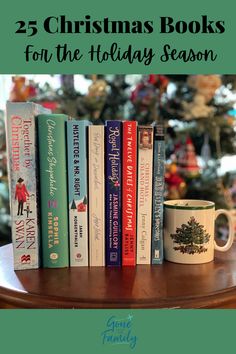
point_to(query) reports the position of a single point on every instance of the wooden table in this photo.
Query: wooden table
(211, 285)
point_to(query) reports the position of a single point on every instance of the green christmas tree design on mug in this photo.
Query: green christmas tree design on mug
(191, 237)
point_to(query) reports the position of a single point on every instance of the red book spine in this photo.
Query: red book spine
(129, 198)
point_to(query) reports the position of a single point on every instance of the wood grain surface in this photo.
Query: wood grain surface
(211, 285)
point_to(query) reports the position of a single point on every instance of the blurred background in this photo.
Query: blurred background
(198, 112)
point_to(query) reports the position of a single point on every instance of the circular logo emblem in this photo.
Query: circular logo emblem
(53, 256)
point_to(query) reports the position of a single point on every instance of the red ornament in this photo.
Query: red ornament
(187, 160)
(159, 81)
(175, 183)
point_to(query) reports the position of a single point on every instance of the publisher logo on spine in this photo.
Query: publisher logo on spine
(113, 257)
(25, 259)
(54, 256)
(119, 331)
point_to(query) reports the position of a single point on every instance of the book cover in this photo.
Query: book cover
(96, 196)
(53, 190)
(113, 131)
(144, 201)
(23, 182)
(158, 194)
(129, 181)
(78, 191)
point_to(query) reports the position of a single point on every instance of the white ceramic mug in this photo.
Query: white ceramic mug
(189, 231)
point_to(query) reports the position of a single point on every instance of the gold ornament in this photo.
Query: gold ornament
(197, 109)
(205, 85)
(98, 89)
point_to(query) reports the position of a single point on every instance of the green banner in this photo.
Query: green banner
(118, 37)
(117, 331)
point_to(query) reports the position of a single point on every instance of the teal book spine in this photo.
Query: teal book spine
(78, 191)
(158, 195)
(23, 182)
(53, 190)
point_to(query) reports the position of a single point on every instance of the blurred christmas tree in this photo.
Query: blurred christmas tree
(197, 111)
(200, 108)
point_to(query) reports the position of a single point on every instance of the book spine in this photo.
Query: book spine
(23, 184)
(53, 190)
(96, 196)
(129, 181)
(78, 192)
(144, 209)
(158, 195)
(113, 192)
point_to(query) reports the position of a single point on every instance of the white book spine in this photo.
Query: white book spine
(96, 196)
(144, 201)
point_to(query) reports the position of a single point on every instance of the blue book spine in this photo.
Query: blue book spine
(113, 192)
(158, 195)
(78, 191)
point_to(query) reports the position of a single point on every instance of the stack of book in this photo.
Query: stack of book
(83, 194)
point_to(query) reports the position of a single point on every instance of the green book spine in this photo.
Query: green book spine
(53, 190)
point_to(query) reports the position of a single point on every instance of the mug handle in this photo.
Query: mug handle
(230, 240)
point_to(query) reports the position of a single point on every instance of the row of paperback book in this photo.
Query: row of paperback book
(83, 194)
